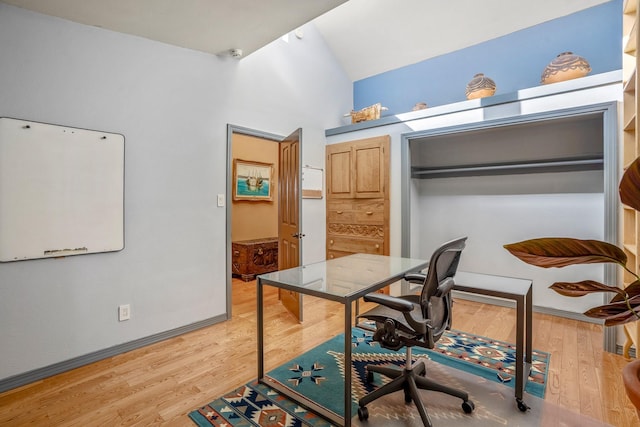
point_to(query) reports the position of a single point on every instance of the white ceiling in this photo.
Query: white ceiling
(367, 36)
(373, 36)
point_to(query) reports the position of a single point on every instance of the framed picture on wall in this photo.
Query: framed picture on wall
(252, 180)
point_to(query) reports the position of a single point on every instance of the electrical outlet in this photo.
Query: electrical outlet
(124, 312)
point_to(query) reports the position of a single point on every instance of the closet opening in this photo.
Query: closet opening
(501, 181)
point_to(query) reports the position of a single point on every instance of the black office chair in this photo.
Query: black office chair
(415, 320)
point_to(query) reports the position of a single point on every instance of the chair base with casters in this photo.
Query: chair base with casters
(415, 320)
(410, 379)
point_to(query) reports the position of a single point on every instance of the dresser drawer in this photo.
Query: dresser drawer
(355, 217)
(337, 254)
(355, 231)
(357, 212)
(364, 246)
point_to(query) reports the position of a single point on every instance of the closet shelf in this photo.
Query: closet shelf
(538, 166)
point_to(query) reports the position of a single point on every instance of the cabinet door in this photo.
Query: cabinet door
(371, 162)
(339, 171)
(358, 169)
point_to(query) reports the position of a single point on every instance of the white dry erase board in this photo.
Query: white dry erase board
(61, 190)
(311, 182)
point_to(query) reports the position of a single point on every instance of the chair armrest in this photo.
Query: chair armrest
(415, 277)
(445, 287)
(394, 303)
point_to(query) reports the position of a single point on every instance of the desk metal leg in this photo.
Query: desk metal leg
(523, 310)
(260, 327)
(520, 319)
(347, 364)
(529, 308)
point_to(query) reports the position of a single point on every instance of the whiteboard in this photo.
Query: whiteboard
(61, 190)
(311, 182)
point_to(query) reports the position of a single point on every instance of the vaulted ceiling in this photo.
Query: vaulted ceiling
(367, 36)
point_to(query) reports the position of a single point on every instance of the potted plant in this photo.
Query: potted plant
(624, 306)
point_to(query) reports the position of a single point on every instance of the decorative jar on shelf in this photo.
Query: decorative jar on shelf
(480, 86)
(565, 66)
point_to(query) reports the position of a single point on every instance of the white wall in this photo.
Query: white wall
(491, 221)
(172, 105)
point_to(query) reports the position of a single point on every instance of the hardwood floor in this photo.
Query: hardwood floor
(159, 384)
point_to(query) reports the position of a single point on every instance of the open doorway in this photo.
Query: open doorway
(263, 208)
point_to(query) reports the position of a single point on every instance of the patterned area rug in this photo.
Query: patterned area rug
(489, 358)
(259, 406)
(318, 375)
(314, 373)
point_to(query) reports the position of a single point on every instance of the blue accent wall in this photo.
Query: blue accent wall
(514, 61)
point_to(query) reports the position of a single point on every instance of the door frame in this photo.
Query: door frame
(231, 130)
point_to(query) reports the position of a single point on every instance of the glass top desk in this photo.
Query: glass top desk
(343, 280)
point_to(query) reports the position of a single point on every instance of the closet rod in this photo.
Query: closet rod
(510, 168)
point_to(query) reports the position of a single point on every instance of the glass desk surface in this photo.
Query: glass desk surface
(343, 277)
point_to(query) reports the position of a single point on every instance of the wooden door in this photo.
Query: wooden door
(289, 236)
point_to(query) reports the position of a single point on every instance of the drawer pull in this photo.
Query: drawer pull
(369, 213)
(339, 212)
(331, 256)
(260, 251)
(236, 253)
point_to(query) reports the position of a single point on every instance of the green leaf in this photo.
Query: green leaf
(563, 251)
(629, 187)
(578, 289)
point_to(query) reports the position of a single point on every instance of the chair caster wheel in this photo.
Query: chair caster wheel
(363, 413)
(468, 406)
(522, 406)
(369, 377)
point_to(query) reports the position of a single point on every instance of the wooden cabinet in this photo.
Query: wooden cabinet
(631, 150)
(358, 169)
(252, 257)
(358, 197)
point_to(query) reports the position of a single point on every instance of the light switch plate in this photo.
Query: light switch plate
(220, 200)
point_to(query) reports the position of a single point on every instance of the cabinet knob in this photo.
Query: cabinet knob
(331, 256)
(236, 253)
(377, 246)
(369, 213)
(331, 242)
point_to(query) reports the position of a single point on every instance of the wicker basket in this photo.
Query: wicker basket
(368, 113)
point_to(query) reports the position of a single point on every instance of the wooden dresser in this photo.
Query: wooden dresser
(358, 197)
(252, 257)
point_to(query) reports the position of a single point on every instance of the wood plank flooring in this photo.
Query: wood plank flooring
(159, 384)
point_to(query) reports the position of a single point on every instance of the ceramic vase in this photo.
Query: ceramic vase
(565, 66)
(480, 86)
